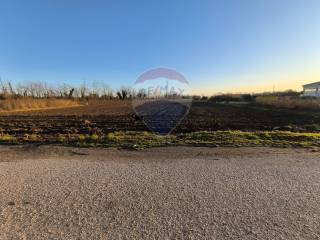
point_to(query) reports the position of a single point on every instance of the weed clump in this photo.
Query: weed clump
(7, 138)
(94, 137)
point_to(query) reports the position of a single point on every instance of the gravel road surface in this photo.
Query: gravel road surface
(52, 192)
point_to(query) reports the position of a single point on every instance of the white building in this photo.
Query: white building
(311, 90)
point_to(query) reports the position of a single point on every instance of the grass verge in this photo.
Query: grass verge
(141, 140)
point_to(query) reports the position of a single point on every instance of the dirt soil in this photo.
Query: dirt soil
(52, 192)
(110, 116)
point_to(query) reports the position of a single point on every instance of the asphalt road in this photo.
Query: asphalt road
(168, 193)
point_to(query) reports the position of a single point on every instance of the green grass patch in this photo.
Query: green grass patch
(239, 138)
(141, 140)
(7, 139)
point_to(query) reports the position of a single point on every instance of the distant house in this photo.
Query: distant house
(311, 90)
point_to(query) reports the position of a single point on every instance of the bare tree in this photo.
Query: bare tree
(11, 90)
(71, 93)
(4, 89)
(142, 93)
(106, 92)
(83, 90)
(124, 93)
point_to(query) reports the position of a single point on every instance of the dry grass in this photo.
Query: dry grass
(25, 104)
(289, 102)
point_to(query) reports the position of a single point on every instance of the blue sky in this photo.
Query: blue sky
(224, 45)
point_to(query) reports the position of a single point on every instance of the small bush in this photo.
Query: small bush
(81, 137)
(94, 137)
(110, 137)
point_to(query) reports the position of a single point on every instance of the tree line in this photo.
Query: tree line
(100, 90)
(97, 90)
(67, 91)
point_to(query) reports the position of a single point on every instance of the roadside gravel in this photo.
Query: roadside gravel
(52, 192)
